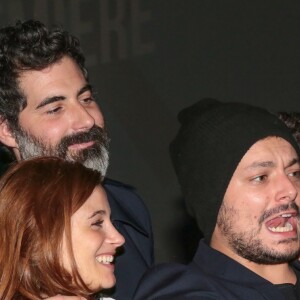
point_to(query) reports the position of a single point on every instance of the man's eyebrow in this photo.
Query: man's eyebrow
(98, 212)
(261, 164)
(293, 162)
(87, 87)
(49, 100)
(53, 99)
(271, 164)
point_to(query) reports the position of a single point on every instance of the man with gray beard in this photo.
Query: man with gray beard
(48, 108)
(238, 167)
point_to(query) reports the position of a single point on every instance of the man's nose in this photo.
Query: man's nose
(82, 120)
(287, 191)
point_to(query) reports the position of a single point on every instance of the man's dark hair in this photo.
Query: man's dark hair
(27, 46)
(292, 121)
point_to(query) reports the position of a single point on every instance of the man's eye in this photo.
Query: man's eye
(295, 175)
(53, 111)
(260, 178)
(88, 100)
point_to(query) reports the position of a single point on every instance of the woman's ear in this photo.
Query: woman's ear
(6, 136)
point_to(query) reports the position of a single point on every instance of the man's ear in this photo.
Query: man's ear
(6, 136)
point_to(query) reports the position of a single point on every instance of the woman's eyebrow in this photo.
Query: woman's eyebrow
(98, 212)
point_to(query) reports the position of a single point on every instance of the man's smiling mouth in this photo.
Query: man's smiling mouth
(81, 146)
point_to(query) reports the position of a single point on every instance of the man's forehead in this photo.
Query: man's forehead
(270, 141)
(38, 86)
(265, 153)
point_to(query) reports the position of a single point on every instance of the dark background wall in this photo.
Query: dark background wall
(150, 58)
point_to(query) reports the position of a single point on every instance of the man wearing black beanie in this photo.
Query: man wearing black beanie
(238, 167)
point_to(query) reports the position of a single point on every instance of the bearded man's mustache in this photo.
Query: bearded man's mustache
(95, 134)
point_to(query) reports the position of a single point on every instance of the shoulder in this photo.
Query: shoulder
(127, 207)
(158, 281)
(125, 194)
(117, 184)
(172, 281)
(119, 188)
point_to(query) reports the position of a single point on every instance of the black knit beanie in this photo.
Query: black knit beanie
(211, 141)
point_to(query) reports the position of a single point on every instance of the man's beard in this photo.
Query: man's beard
(94, 157)
(247, 244)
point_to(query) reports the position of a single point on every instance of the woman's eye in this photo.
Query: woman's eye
(98, 223)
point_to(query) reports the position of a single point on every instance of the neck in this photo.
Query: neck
(17, 154)
(276, 274)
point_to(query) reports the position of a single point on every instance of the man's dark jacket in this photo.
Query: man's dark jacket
(211, 275)
(131, 218)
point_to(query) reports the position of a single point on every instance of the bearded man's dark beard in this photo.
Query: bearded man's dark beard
(94, 157)
(248, 245)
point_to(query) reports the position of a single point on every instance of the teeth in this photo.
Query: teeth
(286, 215)
(288, 227)
(105, 259)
